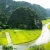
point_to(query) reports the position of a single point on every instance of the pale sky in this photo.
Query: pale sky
(43, 3)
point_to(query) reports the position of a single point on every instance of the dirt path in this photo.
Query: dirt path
(0, 47)
(8, 38)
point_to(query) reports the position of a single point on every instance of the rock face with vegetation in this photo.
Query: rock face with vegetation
(25, 18)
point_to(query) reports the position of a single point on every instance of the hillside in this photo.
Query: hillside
(48, 12)
(8, 6)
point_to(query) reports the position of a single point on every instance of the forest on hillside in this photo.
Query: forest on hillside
(7, 8)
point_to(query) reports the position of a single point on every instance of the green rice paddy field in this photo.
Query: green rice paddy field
(19, 36)
(45, 21)
(3, 40)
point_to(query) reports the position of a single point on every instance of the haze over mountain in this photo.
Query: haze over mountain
(48, 12)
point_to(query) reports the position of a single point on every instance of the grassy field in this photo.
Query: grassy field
(45, 21)
(20, 36)
(41, 47)
(49, 26)
(3, 40)
(46, 46)
(23, 36)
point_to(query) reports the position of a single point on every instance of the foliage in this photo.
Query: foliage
(40, 11)
(3, 19)
(7, 6)
(7, 47)
(24, 18)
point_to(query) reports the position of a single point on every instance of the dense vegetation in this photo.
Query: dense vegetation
(9, 5)
(24, 17)
(7, 47)
(3, 19)
(40, 11)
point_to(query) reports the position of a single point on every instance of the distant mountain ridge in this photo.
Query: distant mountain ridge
(48, 12)
(7, 6)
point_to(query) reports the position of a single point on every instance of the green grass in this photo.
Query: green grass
(19, 36)
(45, 21)
(23, 36)
(49, 26)
(40, 47)
(46, 46)
(3, 40)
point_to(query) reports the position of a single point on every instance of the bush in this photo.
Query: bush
(7, 47)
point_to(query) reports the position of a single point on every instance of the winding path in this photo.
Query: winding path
(8, 39)
(45, 36)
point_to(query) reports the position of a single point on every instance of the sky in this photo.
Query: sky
(43, 3)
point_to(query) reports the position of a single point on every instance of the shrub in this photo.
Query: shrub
(7, 47)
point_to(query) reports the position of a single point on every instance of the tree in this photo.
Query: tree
(25, 18)
(3, 19)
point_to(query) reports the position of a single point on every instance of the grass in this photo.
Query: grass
(23, 36)
(40, 47)
(19, 36)
(3, 40)
(45, 21)
(46, 46)
(49, 26)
